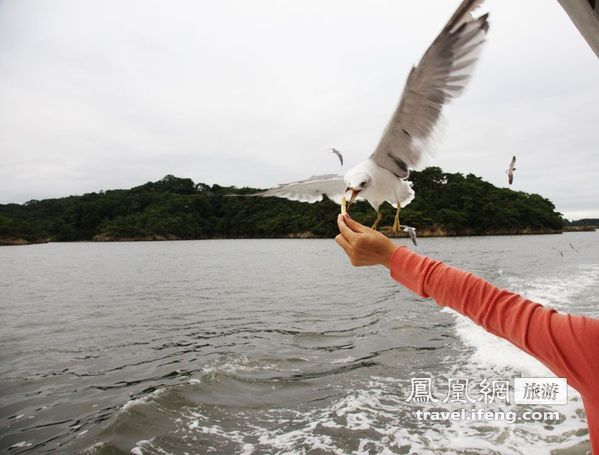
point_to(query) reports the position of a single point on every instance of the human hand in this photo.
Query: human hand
(363, 245)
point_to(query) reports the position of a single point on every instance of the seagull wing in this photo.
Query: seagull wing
(339, 155)
(310, 190)
(513, 163)
(441, 75)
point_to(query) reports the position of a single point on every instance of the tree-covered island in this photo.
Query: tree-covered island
(446, 204)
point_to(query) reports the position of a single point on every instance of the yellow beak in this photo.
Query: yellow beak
(354, 193)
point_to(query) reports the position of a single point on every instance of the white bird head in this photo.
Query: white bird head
(356, 182)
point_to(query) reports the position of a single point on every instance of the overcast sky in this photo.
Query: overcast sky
(111, 94)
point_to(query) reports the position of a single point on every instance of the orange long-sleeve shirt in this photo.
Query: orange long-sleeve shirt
(567, 344)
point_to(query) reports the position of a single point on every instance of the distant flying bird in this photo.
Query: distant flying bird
(440, 76)
(339, 155)
(412, 233)
(510, 170)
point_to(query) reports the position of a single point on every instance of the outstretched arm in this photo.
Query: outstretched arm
(566, 344)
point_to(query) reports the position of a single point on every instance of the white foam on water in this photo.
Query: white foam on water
(247, 449)
(495, 352)
(21, 444)
(143, 400)
(347, 359)
(279, 439)
(374, 408)
(381, 419)
(97, 447)
(137, 450)
(147, 446)
(236, 363)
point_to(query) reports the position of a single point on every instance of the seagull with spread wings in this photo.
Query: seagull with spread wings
(510, 170)
(440, 76)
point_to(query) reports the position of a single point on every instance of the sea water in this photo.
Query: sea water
(268, 346)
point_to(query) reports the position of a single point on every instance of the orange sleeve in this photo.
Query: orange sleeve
(567, 344)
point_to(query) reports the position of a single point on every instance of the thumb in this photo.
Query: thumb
(354, 225)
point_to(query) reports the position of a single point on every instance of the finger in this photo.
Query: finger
(354, 225)
(345, 231)
(343, 243)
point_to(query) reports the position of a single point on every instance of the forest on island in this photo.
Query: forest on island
(178, 208)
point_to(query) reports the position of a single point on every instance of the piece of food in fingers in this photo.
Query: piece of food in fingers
(343, 206)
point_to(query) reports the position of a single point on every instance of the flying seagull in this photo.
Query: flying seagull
(339, 155)
(510, 170)
(440, 76)
(411, 232)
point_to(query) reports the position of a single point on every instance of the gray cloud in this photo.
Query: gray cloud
(109, 94)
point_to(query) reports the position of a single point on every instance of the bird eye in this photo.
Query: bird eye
(362, 185)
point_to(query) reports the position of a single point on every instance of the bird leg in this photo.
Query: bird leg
(379, 215)
(396, 224)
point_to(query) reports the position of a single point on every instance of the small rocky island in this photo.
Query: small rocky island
(447, 204)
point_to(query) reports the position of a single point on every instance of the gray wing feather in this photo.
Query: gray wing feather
(339, 155)
(310, 190)
(441, 75)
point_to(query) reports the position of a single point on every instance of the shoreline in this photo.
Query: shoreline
(16, 241)
(425, 233)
